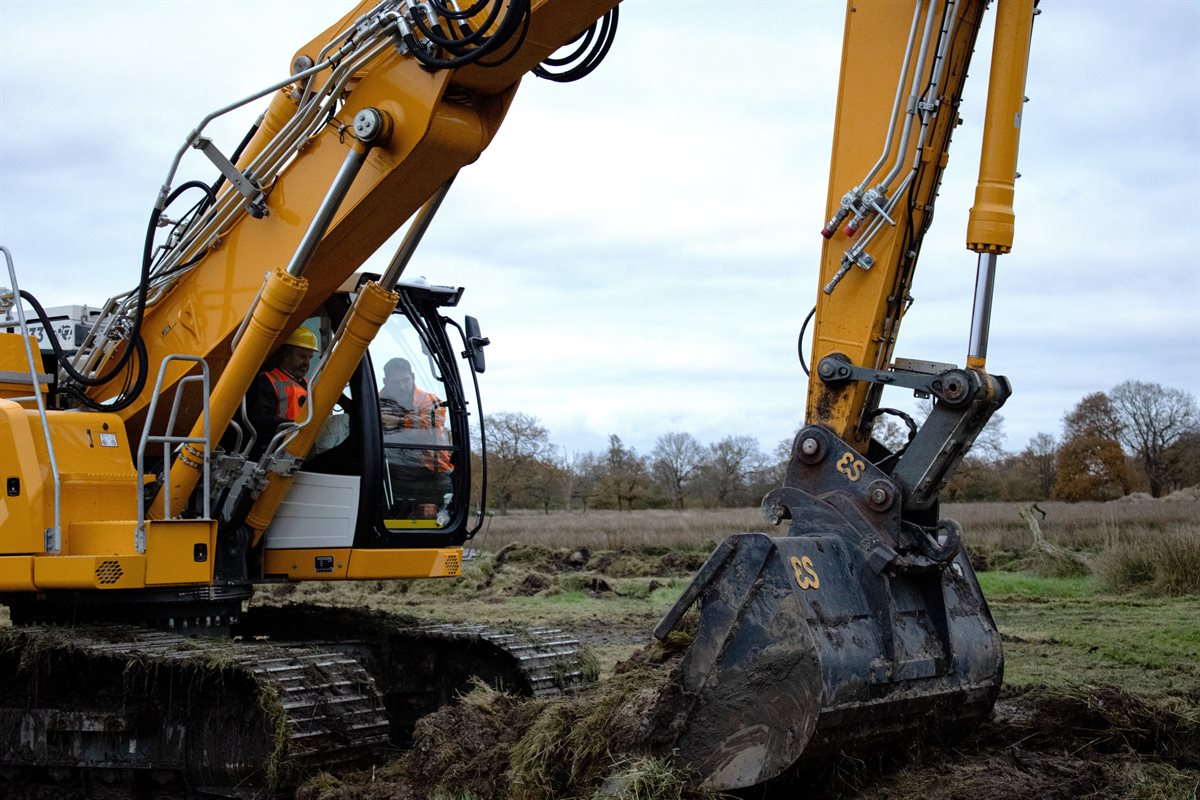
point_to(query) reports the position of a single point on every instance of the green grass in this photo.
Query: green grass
(1150, 646)
(998, 585)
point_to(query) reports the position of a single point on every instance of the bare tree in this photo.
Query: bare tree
(1039, 458)
(625, 478)
(1151, 418)
(518, 446)
(732, 465)
(674, 460)
(588, 470)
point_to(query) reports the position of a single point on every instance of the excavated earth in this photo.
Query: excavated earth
(612, 740)
(1043, 743)
(1086, 741)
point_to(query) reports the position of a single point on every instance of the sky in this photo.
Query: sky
(641, 246)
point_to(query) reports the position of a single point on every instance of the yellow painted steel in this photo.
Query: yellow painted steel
(411, 524)
(358, 564)
(109, 538)
(172, 550)
(16, 574)
(370, 310)
(99, 481)
(301, 565)
(279, 298)
(89, 572)
(13, 359)
(23, 517)
(991, 223)
(440, 562)
(862, 316)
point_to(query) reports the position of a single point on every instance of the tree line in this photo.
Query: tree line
(1136, 437)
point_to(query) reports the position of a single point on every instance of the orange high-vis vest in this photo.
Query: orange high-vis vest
(291, 394)
(428, 414)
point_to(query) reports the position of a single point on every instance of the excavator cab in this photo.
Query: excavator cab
(391, 467)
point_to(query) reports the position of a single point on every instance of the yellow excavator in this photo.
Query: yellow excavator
(143, 504)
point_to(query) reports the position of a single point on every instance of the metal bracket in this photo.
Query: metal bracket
(949, 385)
(248, 187)
(284, 465)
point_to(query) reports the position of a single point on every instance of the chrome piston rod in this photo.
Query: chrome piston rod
(981, 312)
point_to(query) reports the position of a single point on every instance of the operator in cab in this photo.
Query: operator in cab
(414, 425)
(280, 393)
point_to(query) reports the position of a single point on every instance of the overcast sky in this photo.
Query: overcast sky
(642, 246)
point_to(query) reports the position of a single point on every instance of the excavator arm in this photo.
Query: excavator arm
(865, 620)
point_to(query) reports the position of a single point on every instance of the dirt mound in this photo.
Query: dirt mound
(625, 563)
(493, 745)
(1189, 495)
(1094, 742)
(1086, 742)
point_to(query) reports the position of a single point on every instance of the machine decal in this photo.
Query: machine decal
(850, 466)
(806, 576)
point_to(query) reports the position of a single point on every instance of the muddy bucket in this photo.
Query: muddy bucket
(805, 644)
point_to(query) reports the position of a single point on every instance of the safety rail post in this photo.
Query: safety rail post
(169, 438)
(53, 536)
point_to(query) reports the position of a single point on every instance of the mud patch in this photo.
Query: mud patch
(1085, 742)
(494, 745)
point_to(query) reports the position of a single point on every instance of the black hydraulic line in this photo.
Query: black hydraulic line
(800, 340)
(512, 51)
(586, 36)
(607, 35)
(515, 13)
(129, 392)
(450, 13)
(459, 46)
(184, 221)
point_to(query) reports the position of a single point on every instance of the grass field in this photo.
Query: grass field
(1100, 622)
(1102, 672)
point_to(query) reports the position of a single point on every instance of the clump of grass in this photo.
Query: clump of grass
(483, 696)
(1110, 719)
(647, 778)
(1168, 565)
(1177, 561)
(1126, 568)
(441, 793)
(1054, 563)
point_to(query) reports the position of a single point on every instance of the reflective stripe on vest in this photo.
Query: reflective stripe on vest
(428, 414)
(291, 394)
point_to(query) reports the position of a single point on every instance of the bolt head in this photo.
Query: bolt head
(880, 495)
(810, 446)
(366, 124)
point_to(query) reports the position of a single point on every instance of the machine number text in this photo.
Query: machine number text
(806, 576)
(850, 466)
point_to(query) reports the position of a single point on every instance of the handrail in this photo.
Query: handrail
(53, 536)
(169, 438)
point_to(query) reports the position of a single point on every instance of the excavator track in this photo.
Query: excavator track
(247, 715)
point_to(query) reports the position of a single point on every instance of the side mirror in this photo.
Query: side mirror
(476, 341)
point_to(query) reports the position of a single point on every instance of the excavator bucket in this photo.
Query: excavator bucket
(824, 639)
